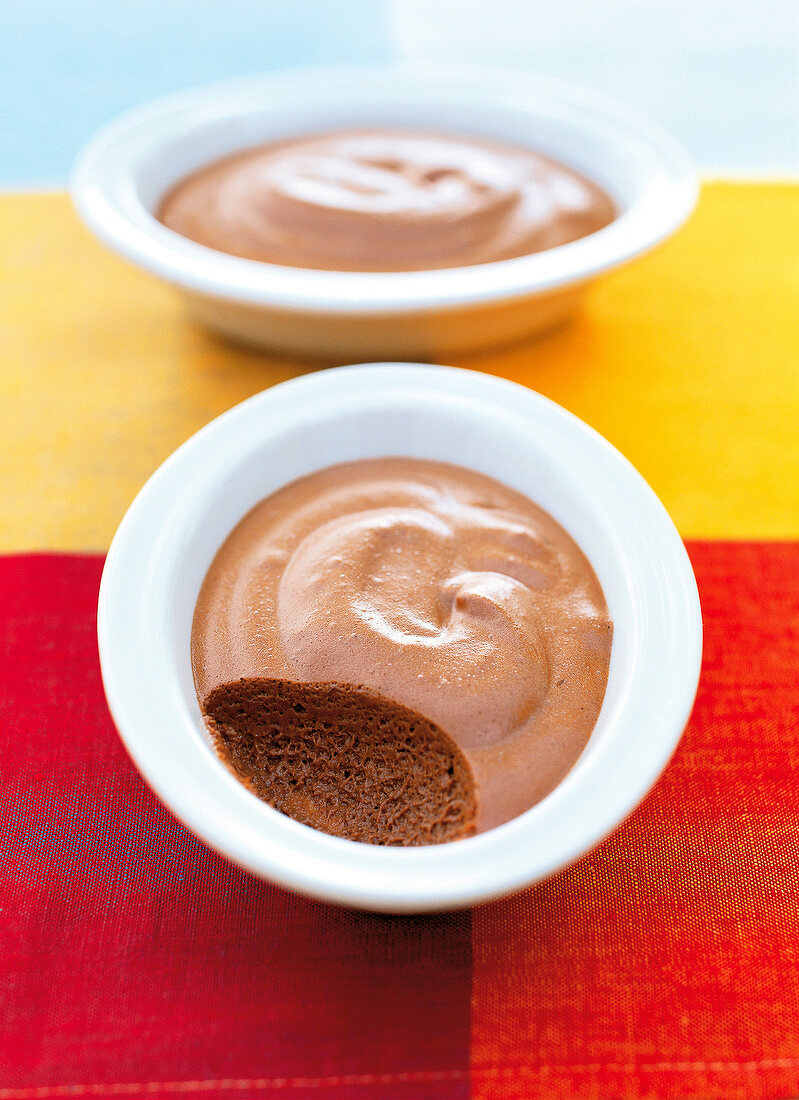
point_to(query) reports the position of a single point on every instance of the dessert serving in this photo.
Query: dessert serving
(385, 200)
(300, 186)
(165, 588)
(400, 651)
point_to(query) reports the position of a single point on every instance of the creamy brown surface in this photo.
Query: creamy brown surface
(383, 200)
(431, 585)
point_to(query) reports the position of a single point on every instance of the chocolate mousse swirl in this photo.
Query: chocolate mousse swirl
(429, 585)
(382, 200)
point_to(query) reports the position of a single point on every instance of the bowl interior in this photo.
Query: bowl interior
(175, 526)
(400, 424)
(124, 172)
(584, 140)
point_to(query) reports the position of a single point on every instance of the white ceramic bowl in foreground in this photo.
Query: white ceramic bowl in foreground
(176, 524)
(129, 165)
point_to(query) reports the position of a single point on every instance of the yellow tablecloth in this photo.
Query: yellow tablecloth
(687, 360)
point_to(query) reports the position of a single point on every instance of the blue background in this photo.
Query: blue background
(65, 68)
(721, 75)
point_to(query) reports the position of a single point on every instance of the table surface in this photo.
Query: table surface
(687, 365)
(133, 961)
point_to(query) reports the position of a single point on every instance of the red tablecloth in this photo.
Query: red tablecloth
(135, 962)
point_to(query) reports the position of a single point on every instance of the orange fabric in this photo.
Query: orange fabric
(666, 963)
(688, 362)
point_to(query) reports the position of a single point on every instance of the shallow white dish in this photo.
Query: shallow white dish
(129, 165)
(175, 525)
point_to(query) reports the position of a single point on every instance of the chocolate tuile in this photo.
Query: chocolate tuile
(344, 760)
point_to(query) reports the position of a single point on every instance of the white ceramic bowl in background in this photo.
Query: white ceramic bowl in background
(176, 524)
(130, 164)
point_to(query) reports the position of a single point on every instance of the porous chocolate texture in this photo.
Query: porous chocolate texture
(344, 760)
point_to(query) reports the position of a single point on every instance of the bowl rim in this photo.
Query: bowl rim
(219, 810)
(103, 194)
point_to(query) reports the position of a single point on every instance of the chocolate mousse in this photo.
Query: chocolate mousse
(400, 651)
(385, 200)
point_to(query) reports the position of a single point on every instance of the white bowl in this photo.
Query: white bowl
(130, 164)
(177, 522)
